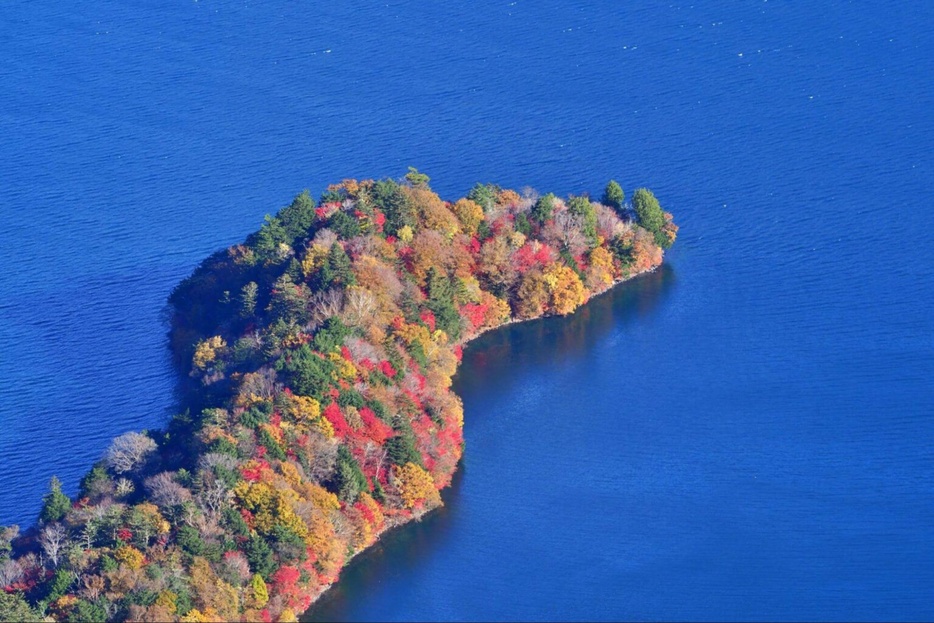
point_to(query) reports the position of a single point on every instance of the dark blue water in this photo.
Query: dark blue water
(746, 434)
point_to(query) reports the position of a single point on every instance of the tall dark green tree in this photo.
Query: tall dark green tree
(409, 302)
(273, 449)
(344, 225)
(522, 224)
(650, 214)
(337, 270)
(622, 250)
(55, 504)
(401, 449)
(441, 303)
(298, 218)
(189, 539)
(7, 536)
(266, 242)
(305, 372)
(484, 195)
(388, 196)
(58, 585)
(14, 608)
(330, 196)
(248, 295)
(614, 196)
(331, 335)
(95, 483)
(289, 301)
(259, 555)
(349, 480)
(88, 612)
(294, 270)
(544, 208)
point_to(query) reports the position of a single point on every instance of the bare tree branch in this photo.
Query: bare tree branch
(53, 539)
(129, 451)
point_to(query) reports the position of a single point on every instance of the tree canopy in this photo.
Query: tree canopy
(317, 359)
(613, 195)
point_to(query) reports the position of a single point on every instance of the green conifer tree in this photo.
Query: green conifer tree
(55, 504)
(337, 270)
(614, 196)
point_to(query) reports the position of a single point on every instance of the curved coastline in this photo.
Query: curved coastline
(427, 549)
(389, 528)
(318, 358)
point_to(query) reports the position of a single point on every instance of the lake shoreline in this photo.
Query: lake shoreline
(399, 521)
(316, 361)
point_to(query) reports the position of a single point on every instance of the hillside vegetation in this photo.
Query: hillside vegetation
(317, 359)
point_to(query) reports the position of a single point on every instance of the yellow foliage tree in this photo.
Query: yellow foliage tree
(432, 213)
(259, 591)
(343, 368)
(516, 239)
(288, 616)
(670, 230)
(217, 599)
(469, 213)
(533, 296)
(363, 535)
(498, 311)
(194, 616)
(202, 578)
(168, 600)
(148, 520)
(415, 333)
(378, 519)
(290, 473)
(226, 601)
(567, 290)
(430, 250)
(313, 260)
(273, 431)
(304, 408)
(320, 497)
(405, 234)
(417, 486)
(206, 352)
(62, 606)
(468, 290)
(270, 506)
(352, 186)
(600, 273)
(129, 556)
(323, 541)
(323, 426)
(442, 369)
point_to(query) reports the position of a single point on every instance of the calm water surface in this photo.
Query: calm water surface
(744, 434)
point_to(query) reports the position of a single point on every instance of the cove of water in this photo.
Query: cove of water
(744, 434)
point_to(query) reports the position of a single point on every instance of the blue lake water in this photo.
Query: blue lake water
(745, 434)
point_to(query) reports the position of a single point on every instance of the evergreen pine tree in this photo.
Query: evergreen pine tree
(55, 504)
(441, 303)
(337, 270)
(614, 196)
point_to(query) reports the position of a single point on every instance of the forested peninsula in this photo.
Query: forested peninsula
(316, 360)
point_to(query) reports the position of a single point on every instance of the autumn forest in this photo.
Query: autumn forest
(315, 363)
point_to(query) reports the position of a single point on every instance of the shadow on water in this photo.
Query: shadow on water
(397, 553)
(491, 360)
(495, 357)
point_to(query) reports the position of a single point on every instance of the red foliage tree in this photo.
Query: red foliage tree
(332, 413)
